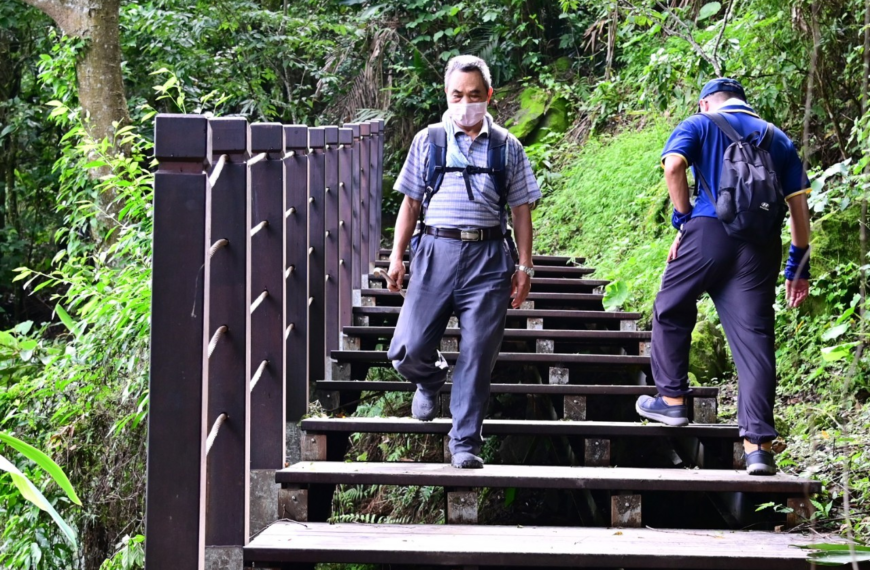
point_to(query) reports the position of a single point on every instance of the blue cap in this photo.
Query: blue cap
(722, 84)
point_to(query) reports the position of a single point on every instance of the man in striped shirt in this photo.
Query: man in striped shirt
(462, 264)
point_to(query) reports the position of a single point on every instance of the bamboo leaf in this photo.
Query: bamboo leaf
(45, 462)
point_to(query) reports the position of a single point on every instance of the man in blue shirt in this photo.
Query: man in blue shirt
(739, 276)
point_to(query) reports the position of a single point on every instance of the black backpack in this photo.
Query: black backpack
(496, 160)
(750, 204)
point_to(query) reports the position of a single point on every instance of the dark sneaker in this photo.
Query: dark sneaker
(424, 407)
(465, 460)
(657, 410)
(760, 462)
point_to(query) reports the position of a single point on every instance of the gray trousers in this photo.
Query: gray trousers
(472, 280)
(740, 278)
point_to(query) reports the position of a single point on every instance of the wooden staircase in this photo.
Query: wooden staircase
(662, 497)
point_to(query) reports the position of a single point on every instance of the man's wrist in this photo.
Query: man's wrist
(797, 266)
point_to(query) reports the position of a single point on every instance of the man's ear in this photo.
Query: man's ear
(489, 95)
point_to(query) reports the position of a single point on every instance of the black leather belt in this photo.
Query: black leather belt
(483, 234)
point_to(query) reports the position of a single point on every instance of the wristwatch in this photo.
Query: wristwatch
(530, 271)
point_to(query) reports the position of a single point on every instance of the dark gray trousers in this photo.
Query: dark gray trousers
(740, 278)
(472, 280)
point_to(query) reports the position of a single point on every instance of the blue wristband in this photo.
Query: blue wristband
(793, 263)
(678, 219)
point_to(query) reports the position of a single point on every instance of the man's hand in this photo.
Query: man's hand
(796, 291)
(672, 253)
(397, 274)
(520, 285)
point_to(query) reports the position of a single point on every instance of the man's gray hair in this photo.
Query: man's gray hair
(468, 63)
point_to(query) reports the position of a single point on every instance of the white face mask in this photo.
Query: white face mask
(467, 114)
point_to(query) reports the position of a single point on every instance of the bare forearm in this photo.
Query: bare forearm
(678, 183)
(406, 221)
(522, 216)
(800, 220)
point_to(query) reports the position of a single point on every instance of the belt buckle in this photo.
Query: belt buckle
(470, 235)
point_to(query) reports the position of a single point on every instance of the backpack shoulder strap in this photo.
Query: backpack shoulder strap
(497, 160)
(724, 126)
(767, 139)
(437, 158)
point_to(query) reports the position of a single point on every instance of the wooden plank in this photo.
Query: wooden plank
(358, 269)
(528, 546)
(296, 271)
(268, 401)
(525, 313)
(598, 336)
(228, 290)
(541, 283)
(527, 357)
(316, 257)
(536, 259)
(549, 389)
(175, 497)
(533, 296)
(520, 427)
(543, 477)
(374, 191)
(345, 230)
(330, 236)
(380, 184)
(543, 271)
(365, 195)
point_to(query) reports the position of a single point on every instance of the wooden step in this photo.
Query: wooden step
(540, 271)
(521, 427)
(384, 254)
(546, 389)
(581, 336)
(540, 284)
(380, 356)
(544, 477)
(527, 546)
(562, 299)
(587, 316)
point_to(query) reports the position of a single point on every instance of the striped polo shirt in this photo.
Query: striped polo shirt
(450, 207)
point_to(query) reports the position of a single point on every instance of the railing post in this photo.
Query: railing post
(175, 497)
(356, 267)
(365, 193)
(374, 190)
(379, 200)
(296, 275)
(267, 322)
(345, 230)
(316, 260)
(331, 236)
(228, 286)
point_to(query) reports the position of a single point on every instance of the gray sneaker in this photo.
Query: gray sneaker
(424, 407)
(760, 462)
(658, 410)
(466, 460)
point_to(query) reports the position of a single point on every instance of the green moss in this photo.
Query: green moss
(611, 206)
(533, 106)
(556, 120)
(708, 358)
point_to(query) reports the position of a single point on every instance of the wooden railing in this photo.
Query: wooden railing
(261, 234)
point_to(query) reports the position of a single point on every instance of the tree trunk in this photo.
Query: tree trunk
(99, 77)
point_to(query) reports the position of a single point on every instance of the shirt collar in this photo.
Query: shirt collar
(735, 105)
(484, 130)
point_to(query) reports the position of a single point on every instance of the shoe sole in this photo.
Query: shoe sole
(468, 465)
(423, 419)
(760, 469)
(661, 418)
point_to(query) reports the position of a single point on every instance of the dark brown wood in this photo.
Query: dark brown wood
(268, 401)
(802, 509)
(528, 546)
(525, 313)
(542, 477)
(543, 284)
(356, 176)
(625, 511)
(380, 184)
(596, 452)
(520, 427)
(175, 497)
(345, 230)
(536, 259)
(228, 295)
(374, 189)
(293, 504)
(533, 296)
(461, 503)
(519, 388)
(603, 336)
(542, 271)
(704, 410)
(365, 195)
(331, 235)
(296, 271)
(378, 356)
(316, 259)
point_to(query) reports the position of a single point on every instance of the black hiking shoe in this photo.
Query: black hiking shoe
(655, 408)
(760, 462)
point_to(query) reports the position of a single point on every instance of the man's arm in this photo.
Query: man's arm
(521, 282)
(406, 222)
(678, 189)
(797, 290)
